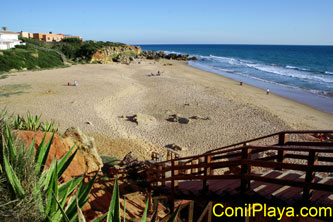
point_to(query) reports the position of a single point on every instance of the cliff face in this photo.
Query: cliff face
(123, 54)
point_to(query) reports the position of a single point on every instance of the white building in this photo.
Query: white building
(9, 40)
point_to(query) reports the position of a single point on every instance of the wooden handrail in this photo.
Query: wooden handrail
(201, 167)
(274, 134)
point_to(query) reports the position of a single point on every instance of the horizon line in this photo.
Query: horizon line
(226, 44)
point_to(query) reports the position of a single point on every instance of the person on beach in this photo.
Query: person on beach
(240, 83)
(267, 91)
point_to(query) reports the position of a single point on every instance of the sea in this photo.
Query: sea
(300, 73)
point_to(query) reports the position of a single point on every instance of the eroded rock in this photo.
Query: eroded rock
(86, 146)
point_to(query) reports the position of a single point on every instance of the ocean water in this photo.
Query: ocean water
(301, 73)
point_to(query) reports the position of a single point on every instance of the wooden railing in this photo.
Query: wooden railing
(240, 160)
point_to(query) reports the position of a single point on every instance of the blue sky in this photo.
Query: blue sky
(302, 22)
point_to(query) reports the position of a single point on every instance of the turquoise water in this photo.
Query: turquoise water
(302, 73)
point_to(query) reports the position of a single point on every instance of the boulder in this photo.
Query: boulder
(13, 70)
(86, 146)
(184, 120)
(59, 148)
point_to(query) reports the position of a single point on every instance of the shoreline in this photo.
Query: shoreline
(302, 96)
(107, 92)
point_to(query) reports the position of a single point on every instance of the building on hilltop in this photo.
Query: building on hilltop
(26, 35)
(9, 40)
(47, 37)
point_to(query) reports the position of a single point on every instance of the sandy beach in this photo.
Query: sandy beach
(227, 112)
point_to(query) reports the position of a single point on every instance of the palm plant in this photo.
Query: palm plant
(4, 28)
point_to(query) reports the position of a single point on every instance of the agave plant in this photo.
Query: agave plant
(51, 201)
(48, 126)
(57, 201)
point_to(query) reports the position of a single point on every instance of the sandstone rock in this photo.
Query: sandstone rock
(13, 70)
(1, 53)
(24, 69)
(86, 146)
(58, 149)
(123, 54)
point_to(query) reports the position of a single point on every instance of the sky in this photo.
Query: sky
(287, 22)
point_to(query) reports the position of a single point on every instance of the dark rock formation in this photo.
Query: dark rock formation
(161, 55)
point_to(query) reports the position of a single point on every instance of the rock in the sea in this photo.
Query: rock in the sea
(161, 55)
(86, 146)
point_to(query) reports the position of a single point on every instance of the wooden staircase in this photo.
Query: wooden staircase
(289, 167)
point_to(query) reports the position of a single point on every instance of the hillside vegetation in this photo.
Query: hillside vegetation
(28, 58)
(77, 50)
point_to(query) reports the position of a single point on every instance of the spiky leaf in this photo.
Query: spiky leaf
(12, 177)
(114, 208)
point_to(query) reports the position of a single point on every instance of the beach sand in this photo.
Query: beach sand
(107, 92)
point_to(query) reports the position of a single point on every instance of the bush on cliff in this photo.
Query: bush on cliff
(27, 57)
(72, 40)
(84, 51)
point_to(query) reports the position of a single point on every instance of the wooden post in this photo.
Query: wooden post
(310, 175)
(245, 169)
(155, 205)
(194, 170)
(281, 153)
(190, 211)
(206, 173)
(201, 160)
(174, 182)
(161, 175)
(207, 211)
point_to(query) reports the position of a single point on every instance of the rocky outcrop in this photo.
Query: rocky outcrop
(86, 146)
(162, 55)
(85, 160)
(122, 54)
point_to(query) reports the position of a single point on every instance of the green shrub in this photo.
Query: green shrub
(28, 57)
(71, 40)
(32, 123)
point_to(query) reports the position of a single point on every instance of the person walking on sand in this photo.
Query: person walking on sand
(267, 91)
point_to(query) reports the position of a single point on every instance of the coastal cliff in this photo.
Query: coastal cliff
(122, 54)
(127, 53)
